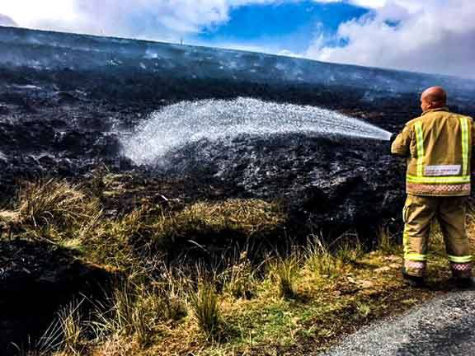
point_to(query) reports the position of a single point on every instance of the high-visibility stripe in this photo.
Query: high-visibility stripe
(464, 178)
(438, 180)
(420, 149)
(415, 257)
(460, 259)
(405, 240)
(464, 125)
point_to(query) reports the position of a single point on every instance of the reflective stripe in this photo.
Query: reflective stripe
(408, 256)
(405, 240)
(464, 178)
(464, 125)
(438, 180)
(420, 149)
(460, 259)
(443, 170)
(415, 257)
(448, 189)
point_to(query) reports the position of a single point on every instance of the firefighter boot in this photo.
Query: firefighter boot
(464, 283)
(413, 281)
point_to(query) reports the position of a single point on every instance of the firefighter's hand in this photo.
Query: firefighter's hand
(392, 138)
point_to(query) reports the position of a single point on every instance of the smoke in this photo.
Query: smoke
(437, 36)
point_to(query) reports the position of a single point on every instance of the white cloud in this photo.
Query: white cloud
(435, 36)
(369, 3)
(26, 12)
(149, 18)
(6, 21)
(363, 3)
(157, 19)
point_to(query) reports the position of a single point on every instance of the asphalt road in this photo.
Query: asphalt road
(443, 326)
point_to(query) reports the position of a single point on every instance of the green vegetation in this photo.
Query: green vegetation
(285, 272)
(242, 301)
(205, 306)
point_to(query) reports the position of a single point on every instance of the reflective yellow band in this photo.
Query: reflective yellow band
(438, 180)
(405, 241)
(460, 259)
(420, 148)
(415, 257)
(464, 125)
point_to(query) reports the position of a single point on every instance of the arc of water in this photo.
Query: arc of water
(185, 122)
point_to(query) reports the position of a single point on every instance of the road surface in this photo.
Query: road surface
(443, 326)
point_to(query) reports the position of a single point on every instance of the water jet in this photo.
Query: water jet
(189, 121)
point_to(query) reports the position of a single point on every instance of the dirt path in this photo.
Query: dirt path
(443, 326)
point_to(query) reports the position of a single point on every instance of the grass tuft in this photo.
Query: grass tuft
(65, 335)
(364, 309)
(285, 271)
(205, 307)
(239, 279)
(53, 207)
(72, 329)
(232, 218)
(319, 260)
(386, 242)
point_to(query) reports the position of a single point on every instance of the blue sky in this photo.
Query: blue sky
(281, 26)
(399, 34)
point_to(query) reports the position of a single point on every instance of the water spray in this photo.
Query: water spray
(187, 121)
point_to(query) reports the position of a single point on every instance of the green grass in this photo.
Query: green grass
(285, 272)
(293, 303)
(206, 310)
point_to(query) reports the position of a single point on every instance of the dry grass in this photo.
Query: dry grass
(56, 209)
(218, 222)
(206, 311)
(65, 334)
(325, 263)
(295, 304)
(471, 227)
(239, 280)
(71, 326)
(250, 216)
(386, 242)
(285, 272)
(155, 231)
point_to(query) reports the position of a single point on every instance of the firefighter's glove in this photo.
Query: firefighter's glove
(392, 138)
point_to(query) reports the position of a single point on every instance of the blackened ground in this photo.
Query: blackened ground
(60, 122)
(35, 279)
(334, 183)
(65, 99)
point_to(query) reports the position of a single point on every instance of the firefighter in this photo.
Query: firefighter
(438, 148)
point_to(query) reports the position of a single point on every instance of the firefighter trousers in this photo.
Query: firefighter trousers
(418, 215)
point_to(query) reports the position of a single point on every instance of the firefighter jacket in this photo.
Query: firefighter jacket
(438, 147)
